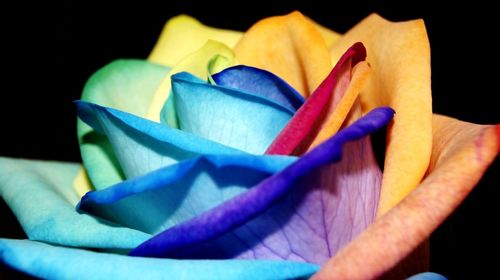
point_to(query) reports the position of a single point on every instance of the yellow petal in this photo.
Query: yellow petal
(461, 153)
(328, 35)
(399, 55)
(81, 183)
(183, 35)
(289, 46)
(197, 64)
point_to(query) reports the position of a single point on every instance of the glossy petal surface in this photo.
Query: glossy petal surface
(41, 196)
(238, 119)
(46, 261)
(281, 216)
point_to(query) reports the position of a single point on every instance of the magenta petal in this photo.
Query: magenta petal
(299, 133)
(306, 212)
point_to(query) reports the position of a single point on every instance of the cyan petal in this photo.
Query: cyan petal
(41, 195)
(297, 214)
(427, 276)
(141, 145)
(126, 85)
(262, 83)
(174, 194)
(234, 118)
(52, 262)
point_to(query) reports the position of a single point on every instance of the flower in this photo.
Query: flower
(206, 194)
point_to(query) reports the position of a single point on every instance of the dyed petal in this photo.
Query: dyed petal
(399, 54)
(126, 85)
(324, 112)
(52, 262)
(427, 276)
(270, 198)
(183, 35)
(262, 83)
(41, 196)
(234, 118)
(289, 46)
(142, 146)
(461, 153)
(171, 195)
(196, 63)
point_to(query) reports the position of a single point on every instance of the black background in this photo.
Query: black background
(53, 50)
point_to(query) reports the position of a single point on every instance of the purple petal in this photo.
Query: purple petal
(306, 212)
(262, 83)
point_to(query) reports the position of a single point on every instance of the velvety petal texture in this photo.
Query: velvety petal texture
(141, 145)
(314, 119)
(126, 85)
(399, 55)
(223, 115)
(460, 155)
(174, 194)
(292, 224)
(41, 196)
(260, 82)
(51, 262)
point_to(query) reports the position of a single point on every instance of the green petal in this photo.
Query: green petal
(41, 195)
(126, 85)
(53, 262)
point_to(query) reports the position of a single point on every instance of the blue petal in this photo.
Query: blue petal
(197, 234)
(141, 145)
(51, 262)
(126, 85)
(174, 194)
(41, 196)
(262, 83)
(427, 276)
(234, 118)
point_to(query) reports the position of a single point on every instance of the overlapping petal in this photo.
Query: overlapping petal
(223, 115)
(41, 196)
(126, 85)
(399, 54)
(282, 217)
(461, 153)
(289, 46)
(52, 262)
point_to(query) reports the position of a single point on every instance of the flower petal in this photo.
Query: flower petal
(183, 35)
(141, 145)
(171, 195)
(49, 262)
(289, 46)
(41, 196)
(225, 115)
(399, 54)
(427, 276)
(196, 63)
(126, 85)
(461, 153)
(324, 112)
(262, 83)
(276, 198)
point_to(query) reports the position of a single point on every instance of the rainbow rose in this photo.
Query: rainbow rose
(231, 155)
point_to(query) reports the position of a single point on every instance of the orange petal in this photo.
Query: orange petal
(461, 153)
(289, 46)
(399, 55)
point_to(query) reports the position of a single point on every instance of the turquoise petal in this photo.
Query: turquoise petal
(234, 118)
(174, 194)
(142, 146)
(51, 262)
(41, 195)
(427, 276)
(127, 85)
